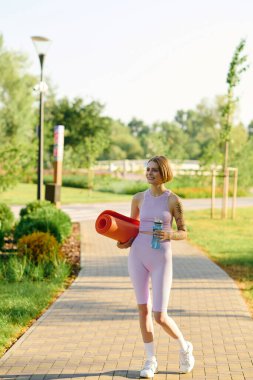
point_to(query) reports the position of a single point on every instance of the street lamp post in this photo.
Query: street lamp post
(41, 45)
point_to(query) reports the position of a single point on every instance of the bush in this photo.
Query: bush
(48, 219)
(1, 239)
(6, 221)
(34, 206)
(126, 187)
(15, 268)
(6, 218)
(12, 268)
(75, 181)
(119, 186)
(40, 247)
(203, 192)
(72, 180)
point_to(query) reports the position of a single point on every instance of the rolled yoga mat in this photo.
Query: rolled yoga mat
(117, 226)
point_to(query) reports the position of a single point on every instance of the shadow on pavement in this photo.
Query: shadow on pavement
(189, 267)
(129, 374)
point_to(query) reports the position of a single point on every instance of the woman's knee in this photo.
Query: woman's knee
(144, 310)
(160, 317)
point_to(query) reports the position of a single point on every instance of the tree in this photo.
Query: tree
(153, 144)
(17, 118)
(15, 166)
(250, 129)
(122, 145)
(173, 139)
(243, 159)
(138, 128)
(237, 66)
(150, 139)
(86, 129)
(201, 129)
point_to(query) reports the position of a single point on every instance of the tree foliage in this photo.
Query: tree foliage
(86, 129)
(237, 66)
(16, 164)
(122, 143)
(250, 129)
(17, 118)
(17, 115)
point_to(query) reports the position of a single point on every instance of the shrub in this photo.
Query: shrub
(36, 272)
(39, 247)
(129, 187)
(203, 192)
(6, 221)
(48, 219)
(72, 180)
(6, 218)
(120, 186)
(80, 182)
(14, 268)
(1, 238)
(34, 206)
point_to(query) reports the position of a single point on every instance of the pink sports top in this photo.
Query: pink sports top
(155, 208)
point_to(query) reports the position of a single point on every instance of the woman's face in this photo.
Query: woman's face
(152, 174)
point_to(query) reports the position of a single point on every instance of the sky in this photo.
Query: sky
(140, 58)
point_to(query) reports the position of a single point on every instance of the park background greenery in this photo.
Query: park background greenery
(91, 135)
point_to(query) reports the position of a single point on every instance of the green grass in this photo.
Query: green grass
(227, 242)
(107, 189)
(24, 193)
(20, 304)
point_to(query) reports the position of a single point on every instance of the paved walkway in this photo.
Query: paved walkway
(85, 211)
(92, 332)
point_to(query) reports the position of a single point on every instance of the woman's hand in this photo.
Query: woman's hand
(127, 244)
(172, 235)
(163, 235)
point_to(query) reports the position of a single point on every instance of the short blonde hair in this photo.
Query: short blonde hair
(164, 167)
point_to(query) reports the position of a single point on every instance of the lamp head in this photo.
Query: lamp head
(41, 45)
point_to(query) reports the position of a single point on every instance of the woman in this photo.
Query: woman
(145, 262)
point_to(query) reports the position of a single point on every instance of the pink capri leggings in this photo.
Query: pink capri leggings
(145, 262)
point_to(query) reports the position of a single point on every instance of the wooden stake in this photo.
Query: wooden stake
(225, 194)
(58, 172)
(234, 192)
(213, 193)
(58, 177)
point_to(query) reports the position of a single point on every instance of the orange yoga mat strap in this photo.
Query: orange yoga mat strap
(117, 226)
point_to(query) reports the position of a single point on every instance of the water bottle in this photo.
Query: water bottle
(158, 225)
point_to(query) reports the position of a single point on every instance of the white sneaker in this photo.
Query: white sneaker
(186, 359)
(149, 369)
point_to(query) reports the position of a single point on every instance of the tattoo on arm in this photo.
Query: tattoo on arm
(179, 218)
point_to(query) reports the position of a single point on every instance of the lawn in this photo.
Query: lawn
(24, 193)
(22, 303)
(227, 242)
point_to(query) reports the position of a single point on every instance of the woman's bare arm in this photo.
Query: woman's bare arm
(176, 209)
(178, 214)
(135, 214)
(135, 208)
